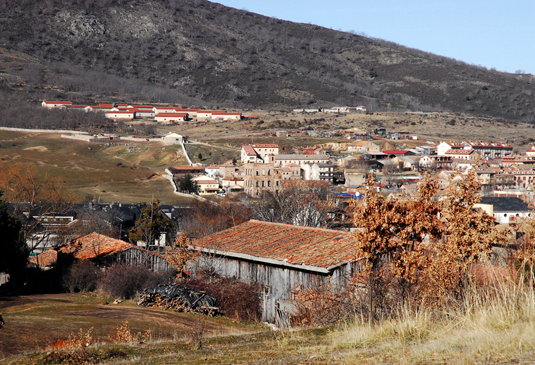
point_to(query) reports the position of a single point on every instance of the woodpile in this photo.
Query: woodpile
(180, 299)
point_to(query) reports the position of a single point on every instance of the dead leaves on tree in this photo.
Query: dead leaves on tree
(426, 246)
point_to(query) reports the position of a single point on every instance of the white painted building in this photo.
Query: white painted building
(172, 138)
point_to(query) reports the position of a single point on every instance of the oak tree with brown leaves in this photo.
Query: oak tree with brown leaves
(181, 253)
(421, 248)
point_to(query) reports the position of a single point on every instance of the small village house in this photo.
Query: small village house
(172, 138)
(212, 171)
(505, 210)
(120, 114)
(171, 117)
(206, 185)
(55, 104)
(258, 152)
(362, 147)
(232, 183)
(282, 160)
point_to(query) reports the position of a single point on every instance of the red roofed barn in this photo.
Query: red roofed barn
(106, 251)
(279, 257)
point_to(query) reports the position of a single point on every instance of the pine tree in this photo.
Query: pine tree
(13, 249)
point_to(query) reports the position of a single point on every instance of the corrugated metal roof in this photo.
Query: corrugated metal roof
(285, 243)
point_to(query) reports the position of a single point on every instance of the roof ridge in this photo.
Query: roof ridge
(297, 226)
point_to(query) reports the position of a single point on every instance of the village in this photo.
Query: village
(277, 216)
(266, 169)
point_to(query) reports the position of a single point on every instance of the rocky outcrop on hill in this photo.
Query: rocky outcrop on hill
(195, 51)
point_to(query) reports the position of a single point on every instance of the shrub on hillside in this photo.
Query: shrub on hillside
(235, 298)
(82, 276)
(127, 281)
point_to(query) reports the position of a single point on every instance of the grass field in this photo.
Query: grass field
(499, 331)
(124, 171)
(34, 322)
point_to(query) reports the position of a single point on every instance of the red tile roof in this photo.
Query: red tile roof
(283, 243)
(249, 150)
(178, 115)
(459, 152)
(94, 245)
(45, 259)
(265, 145)
(479, 144)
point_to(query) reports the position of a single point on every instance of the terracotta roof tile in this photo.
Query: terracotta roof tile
(45, 259)
(284, 242)
(93, 245)
(178, 115)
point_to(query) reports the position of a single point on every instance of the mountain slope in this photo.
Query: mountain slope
(194, 51)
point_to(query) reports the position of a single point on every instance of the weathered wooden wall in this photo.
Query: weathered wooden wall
(278, 281)
(135, 256)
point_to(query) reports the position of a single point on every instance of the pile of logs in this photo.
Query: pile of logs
(179, 298)
(158, 301)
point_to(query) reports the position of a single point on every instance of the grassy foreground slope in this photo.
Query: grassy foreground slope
(501, 330)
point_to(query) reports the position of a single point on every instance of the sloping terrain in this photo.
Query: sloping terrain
(34, 322)
(200, 53)
(128, 172)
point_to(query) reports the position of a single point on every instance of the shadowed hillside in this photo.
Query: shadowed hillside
(196, 52)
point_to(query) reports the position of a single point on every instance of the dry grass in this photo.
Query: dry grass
(494, 328)
(127, 172)
(498, 327)
(36, 321)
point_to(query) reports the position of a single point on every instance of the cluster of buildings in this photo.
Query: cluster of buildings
(263, 169)
(163, 114)
(334, 109)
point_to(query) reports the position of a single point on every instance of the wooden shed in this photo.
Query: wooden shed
(279, 257)
(106, 251)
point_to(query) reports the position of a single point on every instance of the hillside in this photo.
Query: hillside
(201, 53)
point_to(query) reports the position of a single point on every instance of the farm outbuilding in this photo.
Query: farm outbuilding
(279, 257)
(172, 138)
(104, 251)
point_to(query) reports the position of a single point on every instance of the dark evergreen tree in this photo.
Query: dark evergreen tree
(13, 249)
(150, 225)
(186, 184)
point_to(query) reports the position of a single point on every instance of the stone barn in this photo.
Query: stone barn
(278, 257)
